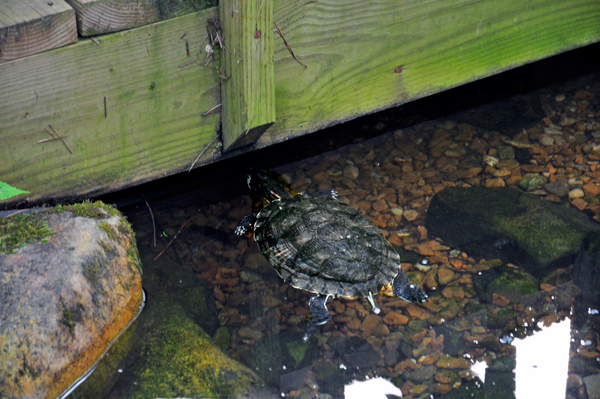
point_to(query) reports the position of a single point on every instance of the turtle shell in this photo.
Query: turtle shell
(325, 246)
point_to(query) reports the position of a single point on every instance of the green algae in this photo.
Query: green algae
(21, 230)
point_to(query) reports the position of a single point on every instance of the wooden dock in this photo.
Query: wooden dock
(89, 112)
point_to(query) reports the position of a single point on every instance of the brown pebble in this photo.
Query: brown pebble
(270, 301)
(499, 300)
(394, 318)
(445, 276)
(453, 291)
(449, 362)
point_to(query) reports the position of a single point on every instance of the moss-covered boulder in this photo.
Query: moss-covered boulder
(509, 282)
(507, 224)
(70, 282)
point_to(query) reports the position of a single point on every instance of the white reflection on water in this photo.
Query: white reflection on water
(375, 388)
(542, 362)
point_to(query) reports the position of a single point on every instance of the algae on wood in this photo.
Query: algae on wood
(29, 27)
(125, 107)
(353, 49)
(248, 93)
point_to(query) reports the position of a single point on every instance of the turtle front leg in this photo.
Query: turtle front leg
(246, 224)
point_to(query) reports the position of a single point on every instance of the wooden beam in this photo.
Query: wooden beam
(248, 93)
(30, 26)
(96, 17)
(353, 50)
(129, 108)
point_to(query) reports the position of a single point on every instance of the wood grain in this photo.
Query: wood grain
(352, 49)
(153, 125)
(29, 27)
(248, 93)
(103, 16)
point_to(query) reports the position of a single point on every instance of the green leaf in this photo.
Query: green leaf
(7, 191)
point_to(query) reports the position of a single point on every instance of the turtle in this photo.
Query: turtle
(320, 244)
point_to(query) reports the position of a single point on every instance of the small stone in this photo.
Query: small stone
(351, 172)
(559, 98)
(393, 318)
(445, 276)
(246, 332)
(380, 330)
(380, 205)
(453, 291)
(370, 322)
(417, 312)
(591, 189)
(579, 204)
(506, 152)
(499, 300)
(546, 141)
(270, 301)
(411, 215)
(576, 193)
(574, 381)
(354, 324)
(449, 362)
(559, 188)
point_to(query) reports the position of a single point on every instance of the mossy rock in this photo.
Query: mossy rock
(509, 282)
(507, 224)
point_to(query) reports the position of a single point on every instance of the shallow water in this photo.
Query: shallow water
(456, 344)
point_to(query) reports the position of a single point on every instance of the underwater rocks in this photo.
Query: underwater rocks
(507, 224)
(65, 297)
(586, 271)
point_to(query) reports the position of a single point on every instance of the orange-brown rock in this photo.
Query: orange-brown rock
(499, 300)
(65, 299)
(394, 318)
(449, 362)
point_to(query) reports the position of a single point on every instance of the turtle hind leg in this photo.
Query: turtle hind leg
(403, 288)
(246, 225)
(376, 310)
(317, 314)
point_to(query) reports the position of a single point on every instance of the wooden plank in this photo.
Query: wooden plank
(29, 27)
(96, 17)
(152, 126)
(352, 50)
(248, 93)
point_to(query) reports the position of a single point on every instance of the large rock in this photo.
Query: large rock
(168, 351)
(586, 272)
(503, 223)
(69, 283)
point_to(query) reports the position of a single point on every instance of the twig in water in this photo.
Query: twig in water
(212, 110)
(288, 45)
(203, 151)
(153, 225)
(58, 136)
(174, 237)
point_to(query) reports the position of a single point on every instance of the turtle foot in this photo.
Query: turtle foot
(317, 310)
(407, 290)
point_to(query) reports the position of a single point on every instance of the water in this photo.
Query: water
(455, 345)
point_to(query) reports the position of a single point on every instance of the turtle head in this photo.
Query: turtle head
(266, 184)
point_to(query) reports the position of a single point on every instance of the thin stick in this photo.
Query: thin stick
(288, 45)
(212, 110)
(188, 63)
(202, 152)
(94, 40)
(174, 237)
(59, 136)
(53, 138)
(105, 110)
(153, 225)
(250, 125)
